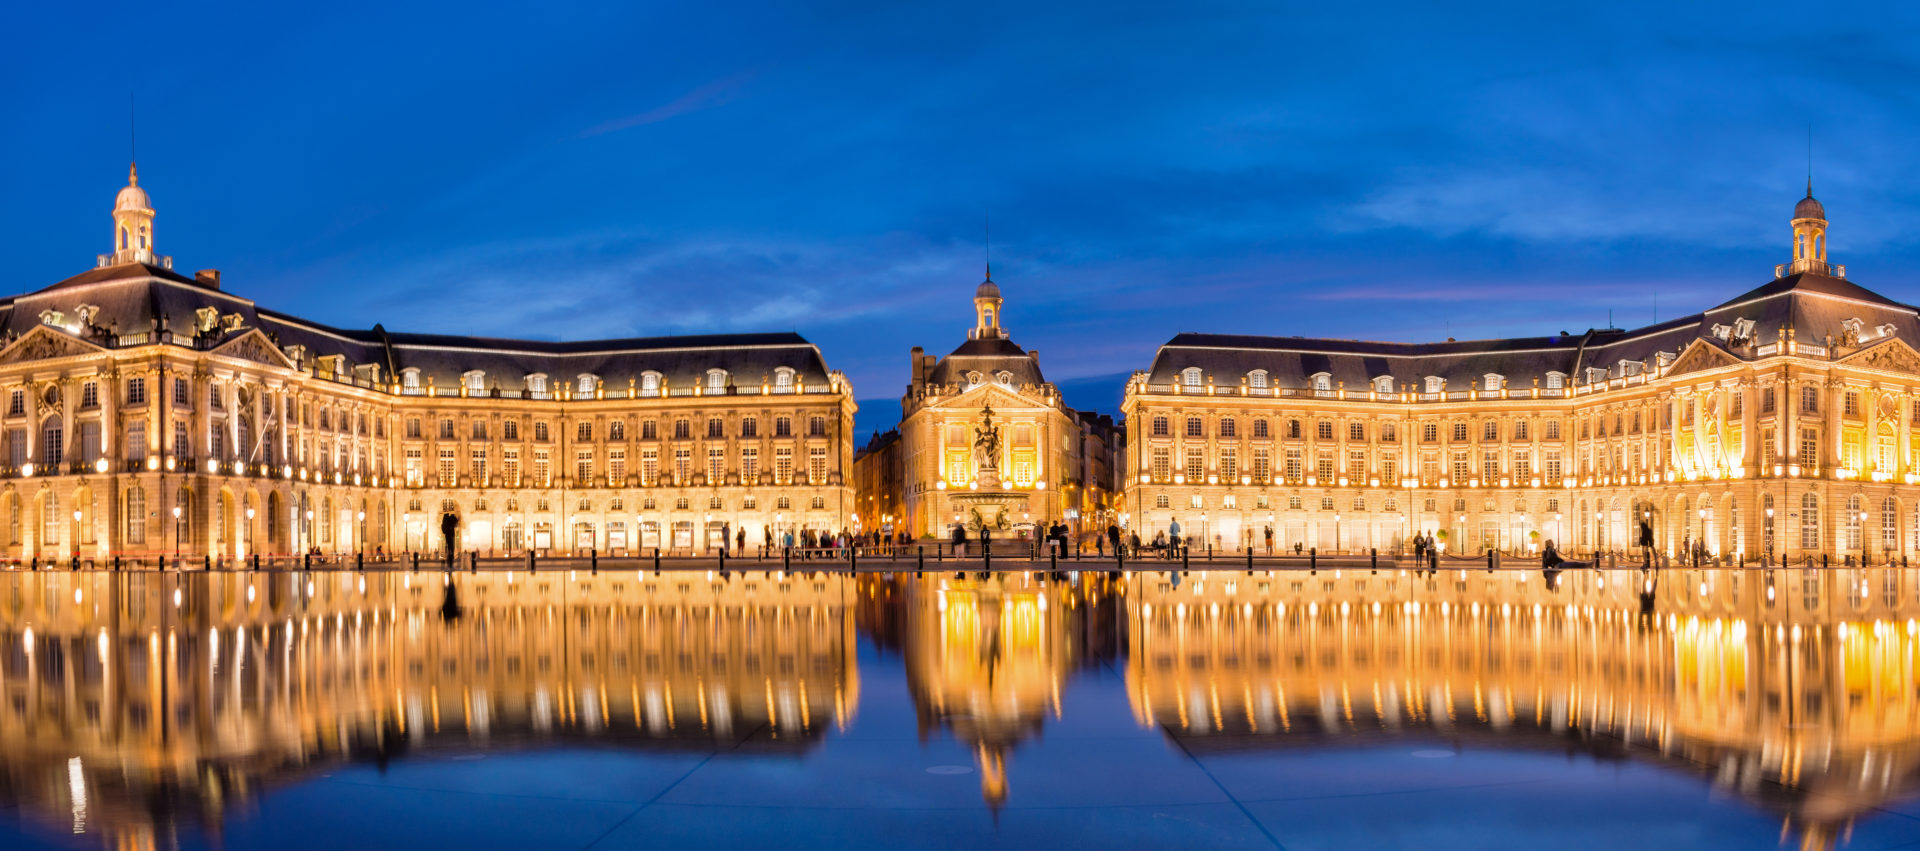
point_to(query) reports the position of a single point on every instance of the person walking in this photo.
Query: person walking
(959, 540)
(1113, 537)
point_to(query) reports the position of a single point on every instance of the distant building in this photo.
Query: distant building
(1038, 455)
(145, 412)
(1779, 421)
(876, 485)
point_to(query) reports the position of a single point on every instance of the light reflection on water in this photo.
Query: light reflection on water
(137, 701)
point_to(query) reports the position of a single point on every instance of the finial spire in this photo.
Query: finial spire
(988, 227)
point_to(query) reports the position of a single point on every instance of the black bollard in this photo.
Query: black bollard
(1823, 559)
(786, 559)
(1053, 560)
(920, 554)
(1374, 552)
(1313, 559)
(360, 562)
(116, 562)
(473, 561)
(306, 561)
(853, 558)
(656, 560)
(986, 560)
(1490, 561)
(593, 559)
(209, 561)
(416, 562)
(256, 562)
(1185, 551)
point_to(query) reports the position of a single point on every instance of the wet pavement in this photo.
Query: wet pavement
(1330, 709)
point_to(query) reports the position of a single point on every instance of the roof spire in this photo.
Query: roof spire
(133, 144)
(988, 227)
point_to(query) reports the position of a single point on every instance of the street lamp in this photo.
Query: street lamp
(1769, 534)
(1863, 538)
(362, 518)
(176, 532)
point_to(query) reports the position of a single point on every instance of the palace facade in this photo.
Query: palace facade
(1054, 463)
(149, 412)
(1780, 421)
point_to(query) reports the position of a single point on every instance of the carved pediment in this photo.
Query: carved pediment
(45, 344)
(1892, 355)
(1701, 356)
(254, 346)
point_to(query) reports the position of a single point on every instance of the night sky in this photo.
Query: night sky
(1393, 172)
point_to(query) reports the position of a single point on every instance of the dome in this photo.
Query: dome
(1808, 208)
(988, 289)
(132, 197)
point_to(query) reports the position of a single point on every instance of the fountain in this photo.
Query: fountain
(987, 503)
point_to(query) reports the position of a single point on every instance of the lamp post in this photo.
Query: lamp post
(248, 536)
(361, 517)
(1864, 548)
(1700, 546)
(1769, 531)
(176, 533)
(1336, 531)
(76, 533)
(309, 535)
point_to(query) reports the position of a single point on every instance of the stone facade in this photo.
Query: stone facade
(1780, 421)
(147, 412)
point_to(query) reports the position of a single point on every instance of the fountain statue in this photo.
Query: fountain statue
(987, 503)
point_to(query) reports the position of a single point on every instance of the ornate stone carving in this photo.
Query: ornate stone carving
(1700, 356)
(252, 347)
(1893, 356)
(42, 344)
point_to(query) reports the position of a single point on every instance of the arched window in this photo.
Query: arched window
(49, 519)
(1257, 379)
(1810, 522)
(136, 515)
(1490, 382)
(649, 383)
(1889, 525)
(1854, 512)
(716, 380)
(1383, 384)
(586, 385)
(1190, 376)
(475, 381)
(1435, 384)
(1322, 382)
(782, 379)
(537, 383)
(410, 379)
(1004, 377)
(1556, 380)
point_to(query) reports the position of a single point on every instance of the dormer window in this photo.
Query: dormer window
(1383, 384)
(85, 313)
(716, 380)
(1436, 384)
(410, 379)
(783, 379)
(1004, 377)
(1556, 380)
(973, 378)
(1490, 382)
(474, 380)
(1190, 376)
(1742, 330)
(649, 383)
(537, 383)
(1257, 379)
(1322, 382)
(586, 384)
(52, 317)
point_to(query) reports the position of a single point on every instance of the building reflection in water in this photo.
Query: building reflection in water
(138, 705)
(1793, 688)
(132, 701)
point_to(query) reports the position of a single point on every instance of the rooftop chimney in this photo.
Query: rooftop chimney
(209, 277)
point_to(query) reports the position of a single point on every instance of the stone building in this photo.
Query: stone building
(943, 412)
(150, 412)
(1780, 420)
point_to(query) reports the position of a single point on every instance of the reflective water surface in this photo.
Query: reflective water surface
(1307, 710)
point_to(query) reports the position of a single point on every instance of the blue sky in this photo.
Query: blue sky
(1393, 171)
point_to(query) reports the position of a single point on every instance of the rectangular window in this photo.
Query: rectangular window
(1489, 465)
(181, 398)
(1522, 466)
(1356, 431)
(716, 465)
(649, 467)
(1766, 400)
(1390, 471)
(749, 426)
(1323, 467)
(180, 446)
(782, 427)
(1851, 407)
(1809, 399)
(783, 465)
(1552, 464)
(1356, 464)
(446, 468)
(1229, 465)
(413, 472)
(1293, 471)
(136, 391)
(1159, 425)
(510, 467)
(137, 442)
(1809, 449)
(1323, 430)
(1262, 465)
(1195, 428)
(1227, 427)
(817, 465)
(583, 468)
(617, 467)
(682, 466)
(1260, 428)
(477, 467)
(1460, 471)
(749, 464)
(1162, 465)
(1196, 470)
(542, 469)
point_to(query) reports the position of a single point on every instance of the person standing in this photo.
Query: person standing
(1269, 534)
(1173, 538)
(1113, 538)
(726, 537)
(449, 524)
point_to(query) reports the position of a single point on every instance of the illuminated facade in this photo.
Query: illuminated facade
(149, 412)
(1041, 439)
(1780, 421)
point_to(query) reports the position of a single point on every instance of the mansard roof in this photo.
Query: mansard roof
(989, 356)
(1810, 306)
(138, 299)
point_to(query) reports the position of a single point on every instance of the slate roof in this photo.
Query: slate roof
(989, 357)
(137, 298)
(1813, 306)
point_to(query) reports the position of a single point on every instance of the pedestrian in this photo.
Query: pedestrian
(1113, 538)
(959, 540)
(1269, 534)
(740, 541)
(449, 523)
(726, 537)
(1173, 537)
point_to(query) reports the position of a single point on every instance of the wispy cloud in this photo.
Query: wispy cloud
(704, 96)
